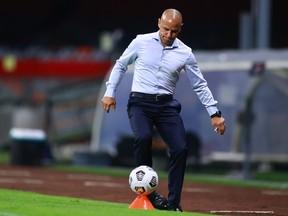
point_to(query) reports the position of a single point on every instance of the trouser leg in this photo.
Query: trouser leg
(171, 129)
(141, 126)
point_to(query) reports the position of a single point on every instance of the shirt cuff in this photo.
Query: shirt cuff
(110, 93)
(211, 110)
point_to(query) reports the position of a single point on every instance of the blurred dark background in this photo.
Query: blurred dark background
(55, 55)
(56, 23)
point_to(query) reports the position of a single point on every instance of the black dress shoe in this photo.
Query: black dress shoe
(158, 201)
(174, 207)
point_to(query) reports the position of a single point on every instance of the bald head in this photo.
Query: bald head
(172, 15)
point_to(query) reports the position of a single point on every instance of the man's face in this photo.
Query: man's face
(169, 30)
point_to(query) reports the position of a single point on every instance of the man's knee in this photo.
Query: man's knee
(179, 152)
(143, 139)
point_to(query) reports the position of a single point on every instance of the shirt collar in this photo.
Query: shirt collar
(156, 36)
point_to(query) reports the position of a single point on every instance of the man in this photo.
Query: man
(159, 58)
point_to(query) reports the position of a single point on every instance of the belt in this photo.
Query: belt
(152, 97)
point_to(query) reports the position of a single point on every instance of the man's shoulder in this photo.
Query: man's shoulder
(147, 35)
(185, 50)
(182, 45)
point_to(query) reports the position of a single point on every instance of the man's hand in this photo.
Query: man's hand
(219, 124)
(107, 102)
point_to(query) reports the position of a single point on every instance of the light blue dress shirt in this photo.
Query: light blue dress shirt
(157, 69)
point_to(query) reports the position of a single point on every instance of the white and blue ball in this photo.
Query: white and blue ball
(143, 180)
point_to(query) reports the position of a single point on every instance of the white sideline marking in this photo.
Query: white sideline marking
(25, 181)
(7, 180)
(32, 181)
(7, 214)
(15, 173)
(242, 212)
(103, 184)
(81, 177)
(197, 190)
(275, 193)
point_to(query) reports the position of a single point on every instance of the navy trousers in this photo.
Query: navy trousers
(143, 115)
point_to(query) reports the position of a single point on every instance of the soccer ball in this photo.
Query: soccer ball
(143, 180)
